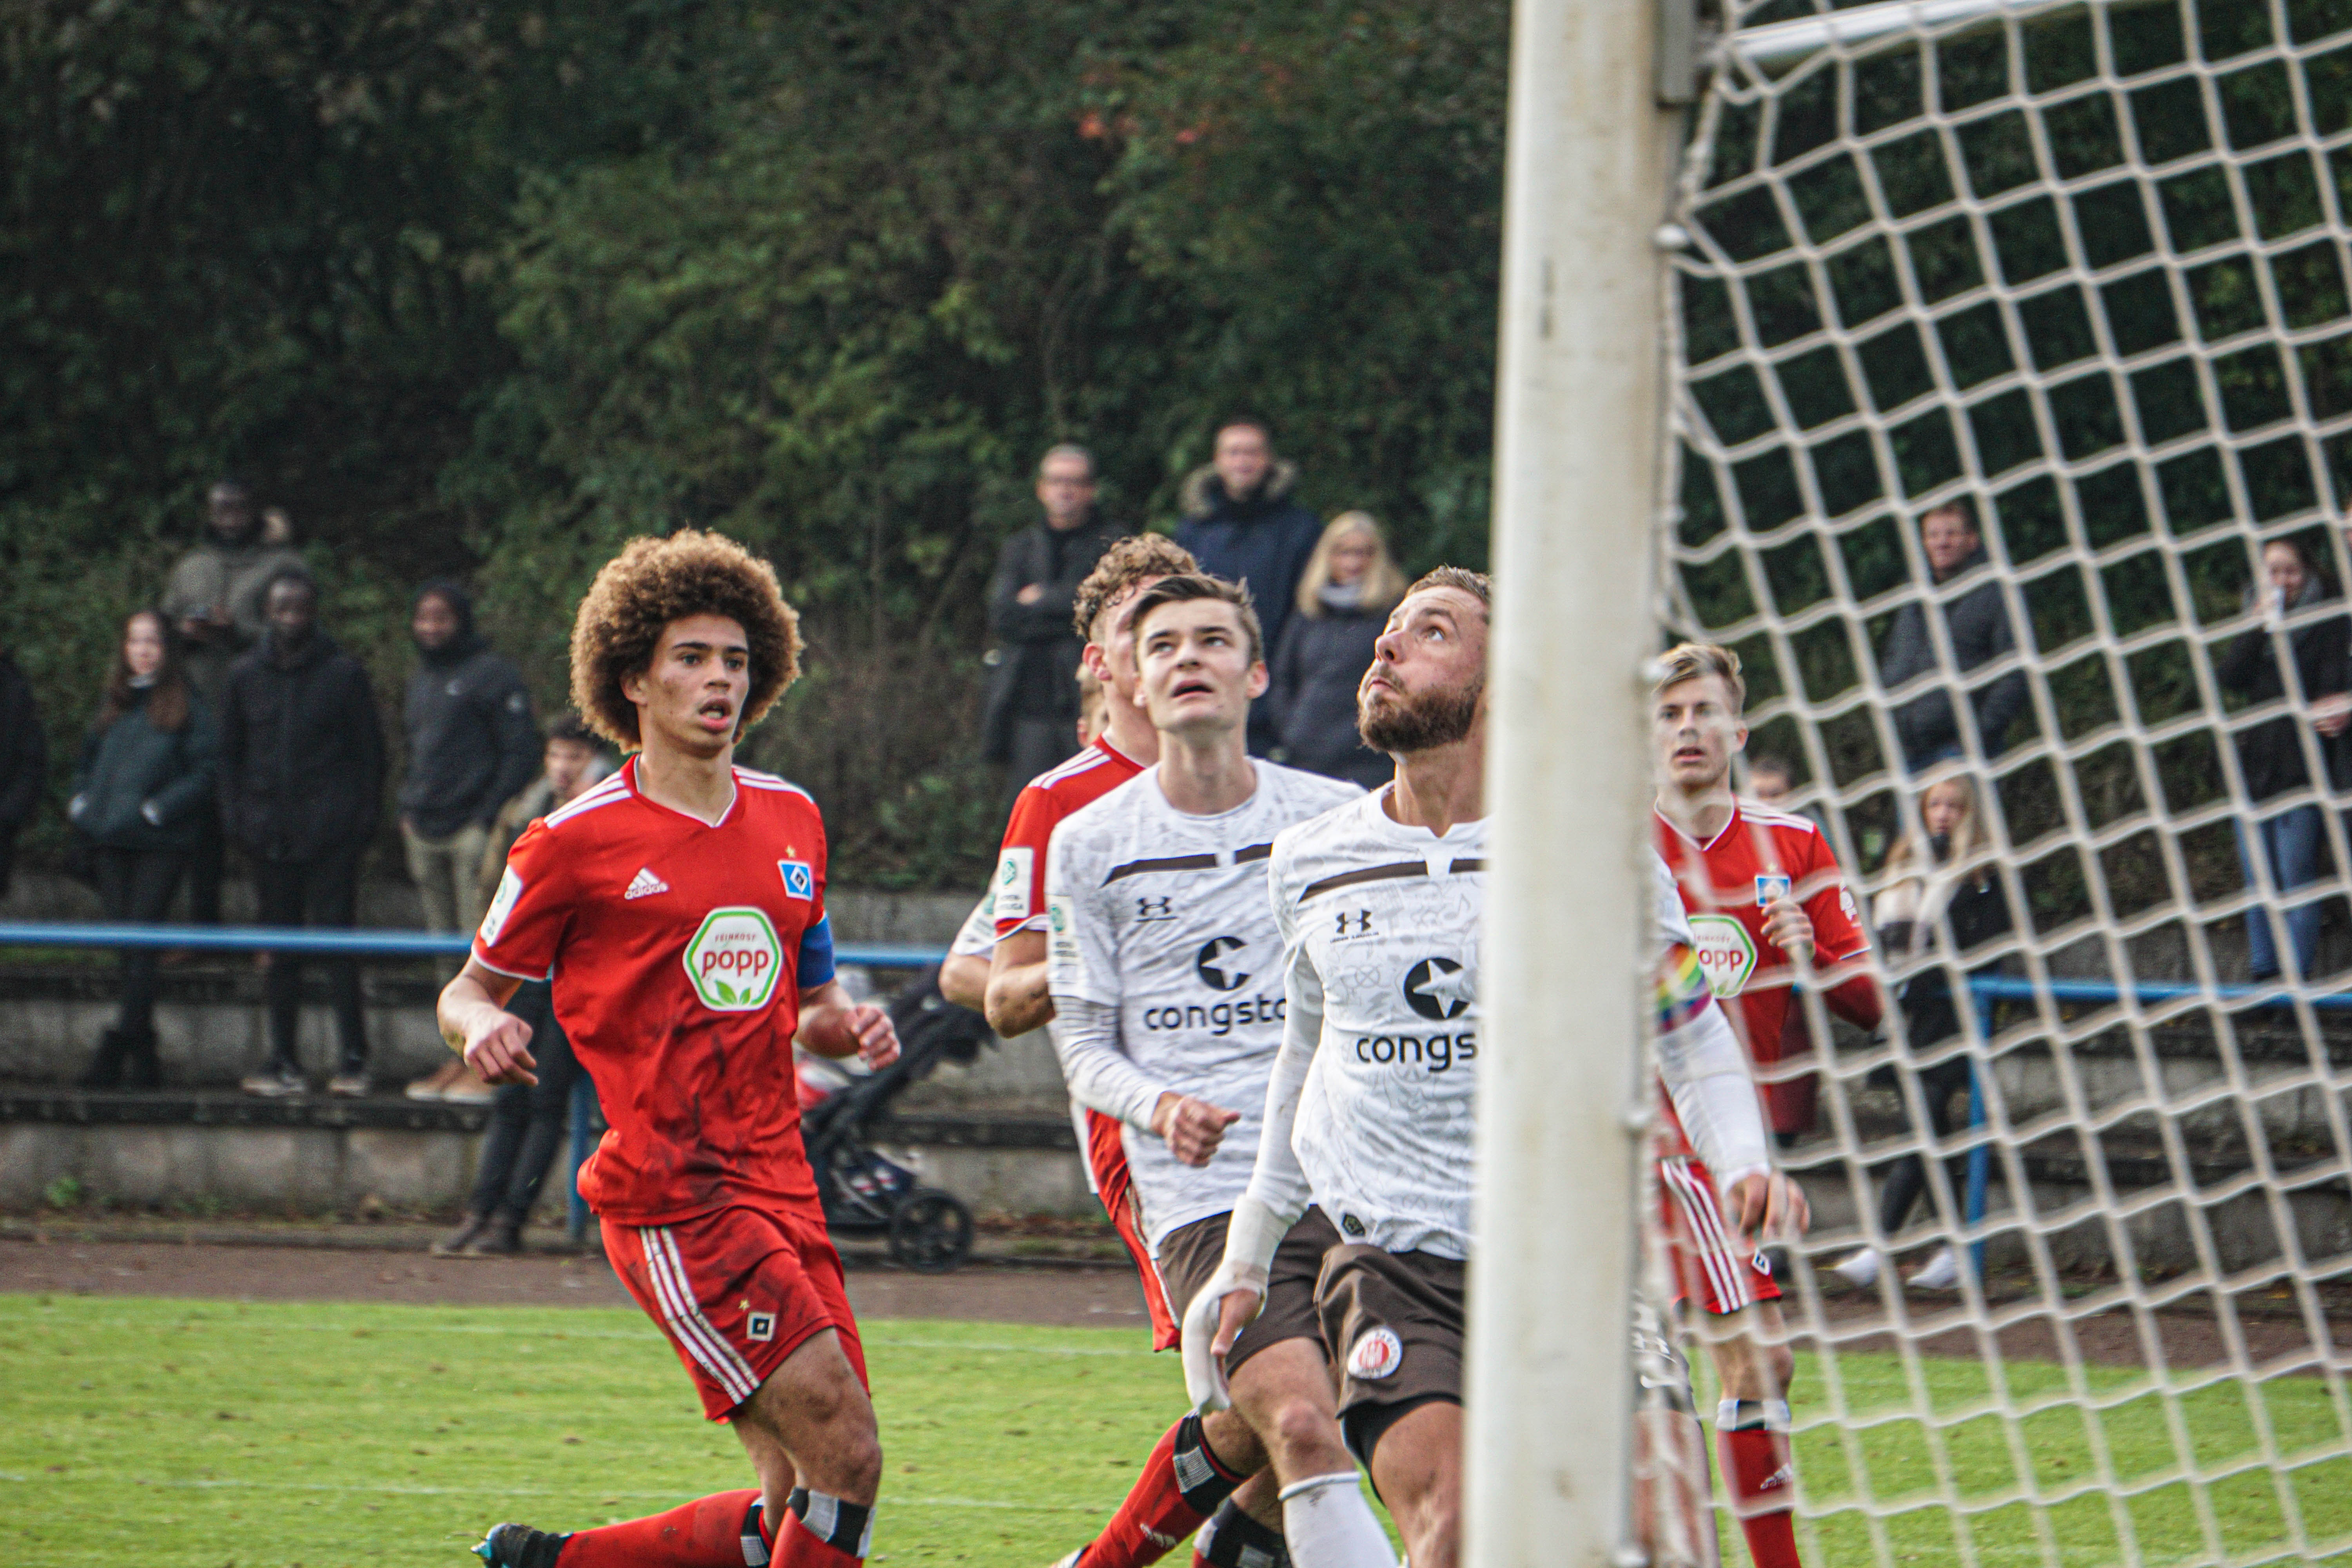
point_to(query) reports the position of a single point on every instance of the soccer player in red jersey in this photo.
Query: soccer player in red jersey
(1764, 896)
(679, 906)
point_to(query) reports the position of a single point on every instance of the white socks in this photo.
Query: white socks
(1329, 1525)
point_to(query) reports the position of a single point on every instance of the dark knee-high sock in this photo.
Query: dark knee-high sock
(1231, 1539)
(715, 1531)
(1751, 1437)
(1181, 1485)
(822, 1532)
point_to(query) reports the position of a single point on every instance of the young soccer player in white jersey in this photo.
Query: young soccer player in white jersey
(1368, 1110)
(1164, 965)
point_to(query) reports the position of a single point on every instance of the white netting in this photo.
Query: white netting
(2083, 266)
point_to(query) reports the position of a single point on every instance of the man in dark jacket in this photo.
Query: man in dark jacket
(1030, 722)
(1978, 626)
(472, 746)
(301, 780)
(1242, 523)
(23, 763)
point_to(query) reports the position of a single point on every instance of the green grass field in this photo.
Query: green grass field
(170, 1433)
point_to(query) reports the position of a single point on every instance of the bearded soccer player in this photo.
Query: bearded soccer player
(680, 907)
(1369, 1113)
(1764, 896)
(1168, 1014)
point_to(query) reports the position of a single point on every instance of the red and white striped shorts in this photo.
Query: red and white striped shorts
(737, 1290)
(1714, 1265)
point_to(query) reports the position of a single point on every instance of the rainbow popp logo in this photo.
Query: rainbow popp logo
(734, 960)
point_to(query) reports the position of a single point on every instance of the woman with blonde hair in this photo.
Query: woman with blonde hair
(1941, 879)
(1345, 594)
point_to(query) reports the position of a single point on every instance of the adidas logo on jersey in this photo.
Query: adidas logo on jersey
(644, 884)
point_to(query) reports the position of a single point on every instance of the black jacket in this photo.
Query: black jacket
(302, 760)
(1263, 540)
(24, 753)
(1977, 623)
(1311, 700)
(1036, 656)
(131, 766)
(2271, 753)
(1978, 913)
(472, 742)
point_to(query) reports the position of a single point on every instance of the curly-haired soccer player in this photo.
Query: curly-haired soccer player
(681, 907)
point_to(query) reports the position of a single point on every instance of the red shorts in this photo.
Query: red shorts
(1106, 1158)
(737, 1290)
(1714, 1265)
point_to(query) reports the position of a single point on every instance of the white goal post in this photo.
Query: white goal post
(2084, 267)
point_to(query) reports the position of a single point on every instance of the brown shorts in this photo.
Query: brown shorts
(1191, 1253)
(1393, 1321)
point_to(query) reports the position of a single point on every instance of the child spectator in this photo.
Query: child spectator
(142, 791)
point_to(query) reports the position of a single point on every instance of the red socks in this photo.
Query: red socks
(1752, 1442)
(822, 1531)
(1181, 1485)
(705, 1533)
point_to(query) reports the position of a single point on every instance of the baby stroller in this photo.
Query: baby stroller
(929, 1231)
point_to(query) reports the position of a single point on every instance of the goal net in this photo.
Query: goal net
(2080, 269)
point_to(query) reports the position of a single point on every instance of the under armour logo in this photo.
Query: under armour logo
(1155, 909)
(1363, 921)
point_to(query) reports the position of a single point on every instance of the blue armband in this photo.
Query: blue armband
(816, 956)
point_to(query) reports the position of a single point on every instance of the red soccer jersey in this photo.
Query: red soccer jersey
(679, 950)
(1726, 884)
(1020, 884)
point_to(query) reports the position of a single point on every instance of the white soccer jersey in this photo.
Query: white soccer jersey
(1163, 917)
(976, 937)
(1380, 924)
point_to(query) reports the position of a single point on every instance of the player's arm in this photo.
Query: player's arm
(833, 1025)
(474, 1021)
(1706, 1076)
(1834, 928)
(1020, 997)
(963, 977)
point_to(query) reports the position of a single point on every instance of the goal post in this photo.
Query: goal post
(1589, 164)
(2085, 268)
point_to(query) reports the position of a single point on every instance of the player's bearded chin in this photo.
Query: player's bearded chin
(1421, 722)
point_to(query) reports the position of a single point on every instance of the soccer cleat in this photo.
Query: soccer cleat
(1941, 1273)
(1860, 1270)
(1073, 1560)
(520, 1546)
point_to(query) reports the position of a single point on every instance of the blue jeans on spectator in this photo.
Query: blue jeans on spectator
(2291, 843)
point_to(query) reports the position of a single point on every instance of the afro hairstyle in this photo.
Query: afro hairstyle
(654, 582)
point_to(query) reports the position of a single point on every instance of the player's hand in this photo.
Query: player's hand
(876, 1035)
(1766, 1204)
(2331, 715)
(1216, 1317)
(1192, 1127)
(1788, 928)
(498, 1048)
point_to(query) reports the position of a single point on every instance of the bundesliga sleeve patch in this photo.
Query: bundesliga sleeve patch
(1014, 873)
(1065, 960)
(502, 903)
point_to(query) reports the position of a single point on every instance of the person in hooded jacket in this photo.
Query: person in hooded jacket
(1241, 523)
(2271, 753)
(1342, 605)
(301, 782)
(142, 791)
(1979, 629)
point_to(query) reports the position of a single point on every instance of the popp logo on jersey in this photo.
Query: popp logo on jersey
(1726, 954)
(734, 961)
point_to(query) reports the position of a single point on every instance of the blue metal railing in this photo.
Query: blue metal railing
(344, 943)
(358, 944)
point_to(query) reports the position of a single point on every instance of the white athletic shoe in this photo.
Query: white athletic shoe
(1941, 1272)
(1860, 1270)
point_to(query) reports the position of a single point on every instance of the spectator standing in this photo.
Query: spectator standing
(1978, 626)
(23, 763)
(472, 746)
(1343, 601)
(1031, 707)
(1241, 523)
(527, 1120)
(2270, 754)
(1946, 883)
(213, 601)
(302, 785)
(142, 791)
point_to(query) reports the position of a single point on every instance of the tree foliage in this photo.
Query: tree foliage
(487, 287)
